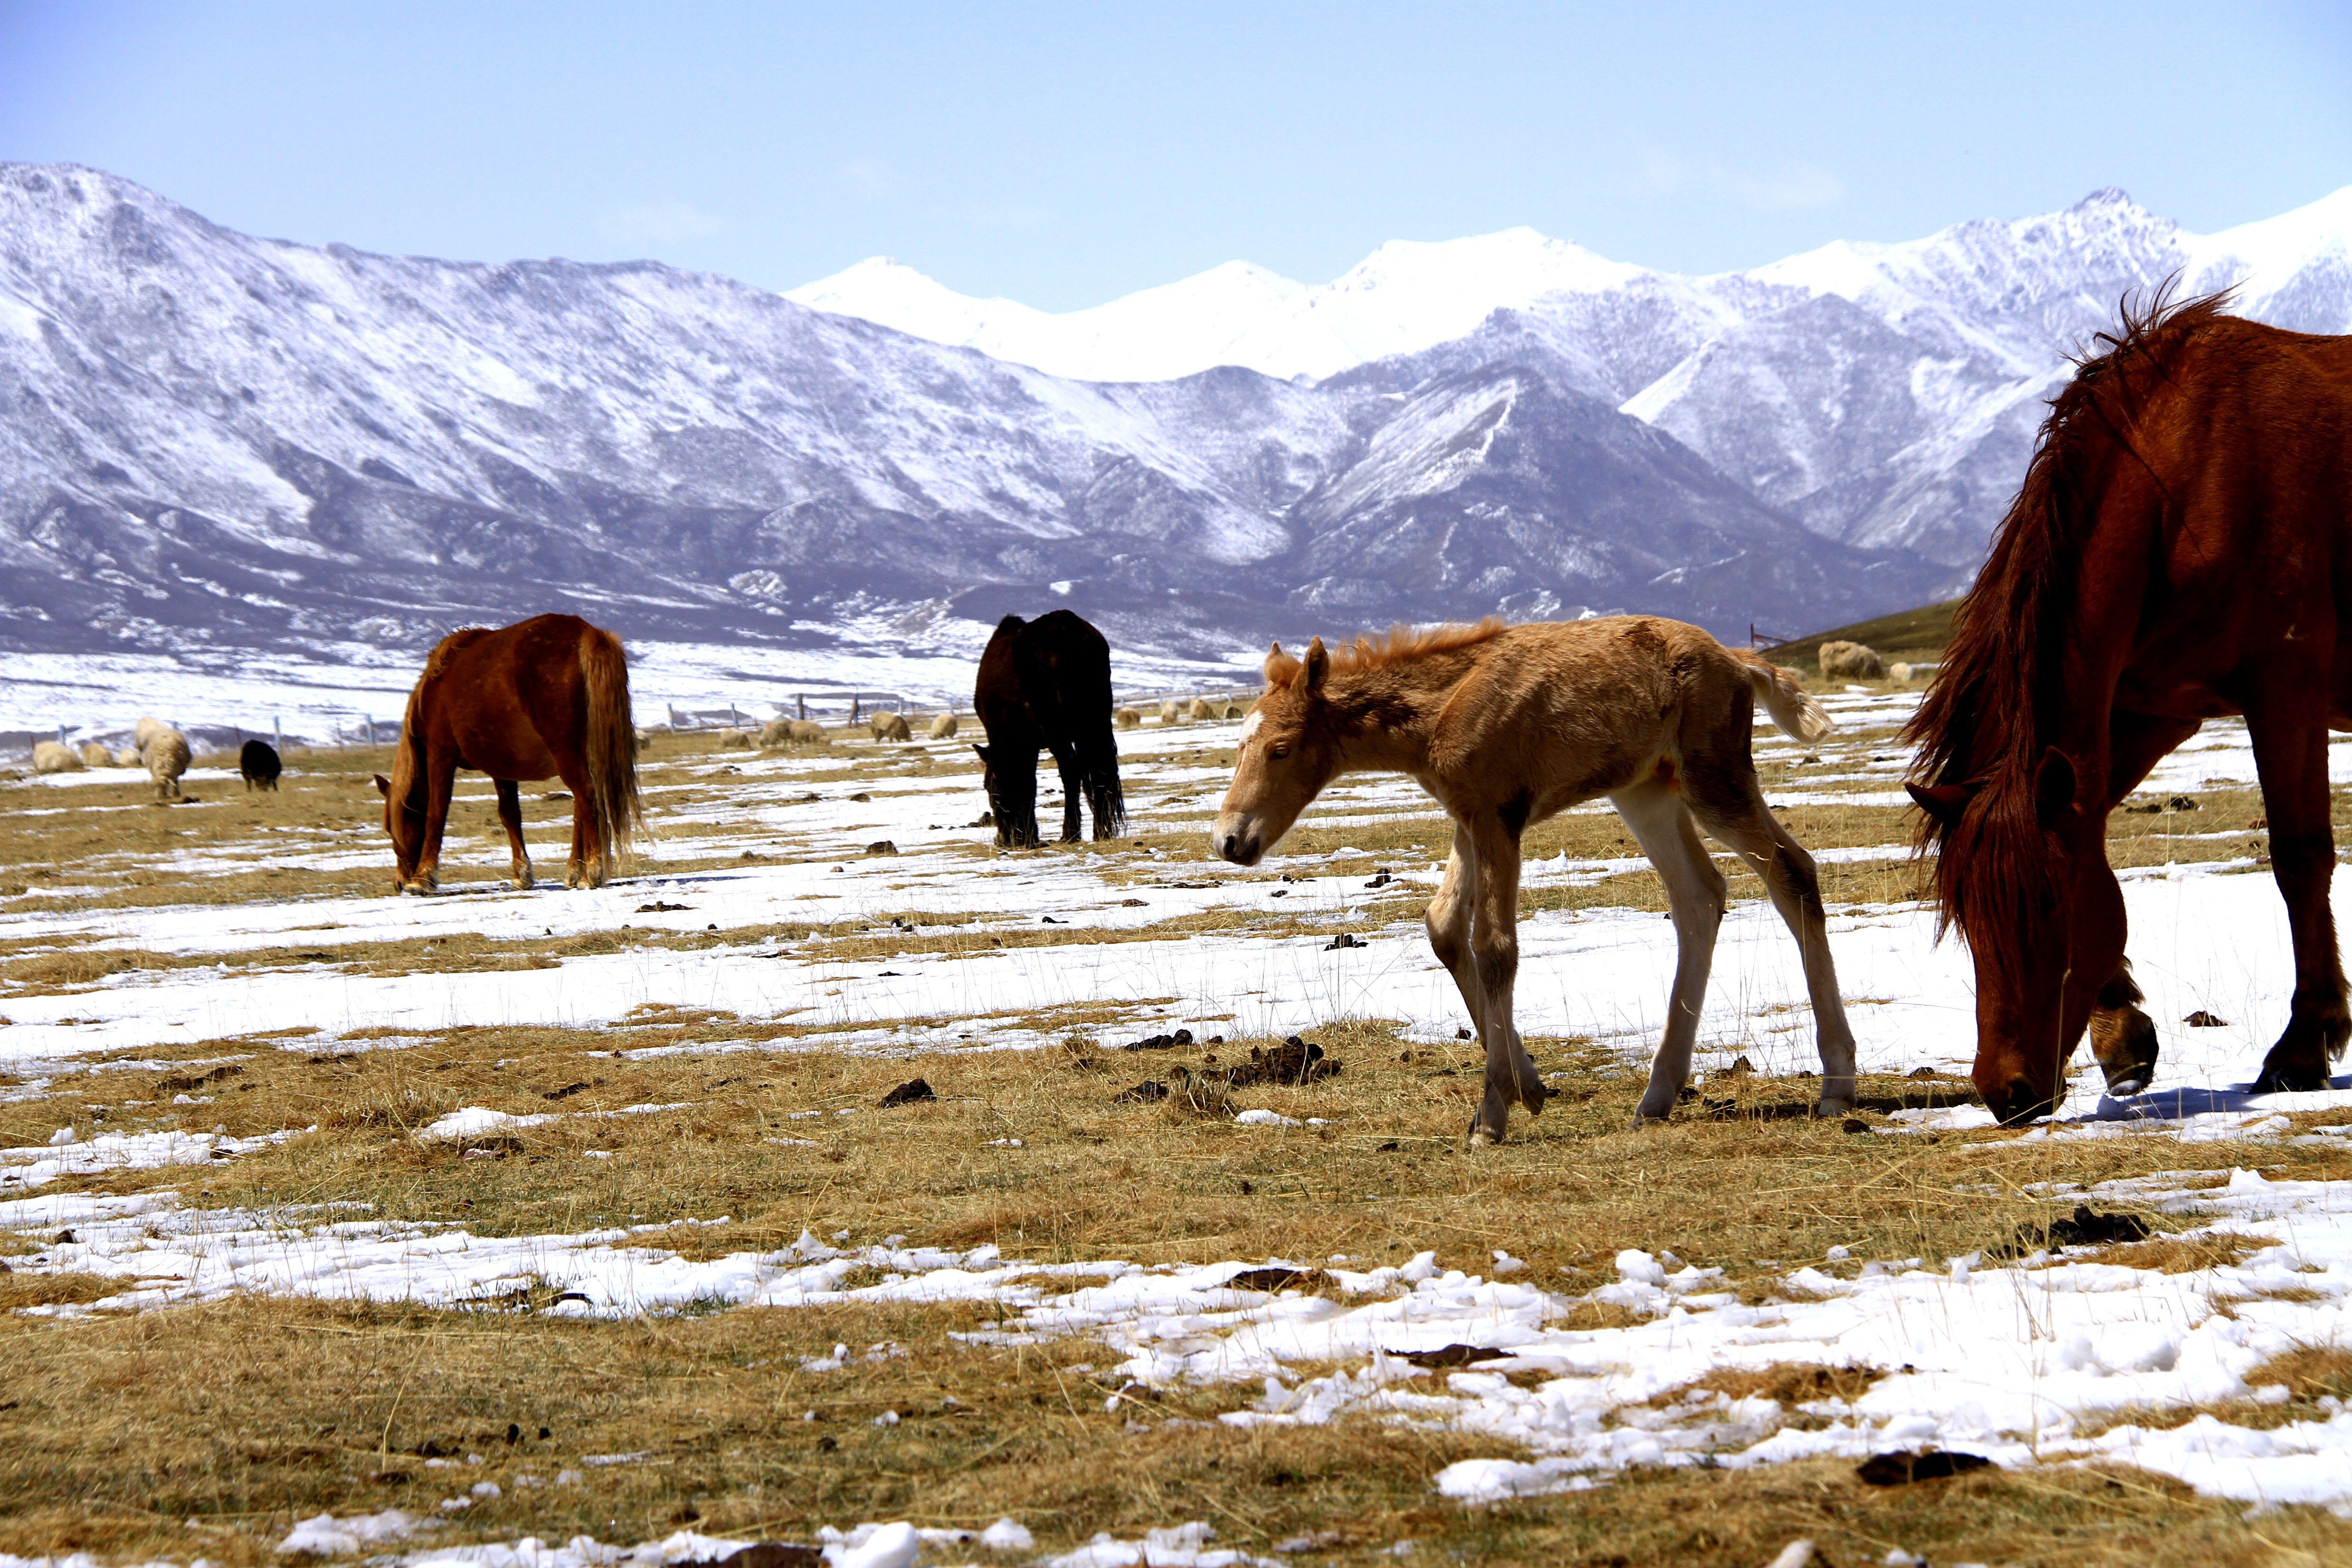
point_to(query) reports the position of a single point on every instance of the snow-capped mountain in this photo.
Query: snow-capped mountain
(233, 442)
(1884, 394)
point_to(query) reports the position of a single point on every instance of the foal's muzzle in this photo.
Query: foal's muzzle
(1239, 837)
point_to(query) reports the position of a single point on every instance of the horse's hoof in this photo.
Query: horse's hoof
(1643, 1119)
(1833, 1108)
(2288, 1080)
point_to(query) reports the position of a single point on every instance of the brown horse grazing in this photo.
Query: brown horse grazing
(1506, 726)
(2181, 549)
(546, 697)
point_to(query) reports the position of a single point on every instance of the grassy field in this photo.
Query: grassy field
(182, 1422)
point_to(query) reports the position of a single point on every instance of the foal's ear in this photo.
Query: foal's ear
(1318, 664)
(2054, 786)
(383, 786)
(1943, 803)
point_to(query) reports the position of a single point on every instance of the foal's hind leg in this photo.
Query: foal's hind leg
(2291, 758)
(1757, 837)
(510, 816)
(1694, 893)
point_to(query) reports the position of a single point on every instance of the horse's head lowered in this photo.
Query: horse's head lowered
(1288, 752)
(2006, 875)
(404, 821)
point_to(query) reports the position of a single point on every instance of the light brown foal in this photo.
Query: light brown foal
(1506, 726)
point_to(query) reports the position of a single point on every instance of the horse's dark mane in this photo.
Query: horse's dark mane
(1979, 724)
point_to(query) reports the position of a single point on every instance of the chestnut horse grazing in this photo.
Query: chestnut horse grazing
(1506, 726)
(2181, 549)
(1046, 685)
(546, 697)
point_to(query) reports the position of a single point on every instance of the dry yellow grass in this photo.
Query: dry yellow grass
(247, 1413)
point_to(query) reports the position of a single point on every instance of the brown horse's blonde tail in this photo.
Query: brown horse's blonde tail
(1785, 698)
(612, 743)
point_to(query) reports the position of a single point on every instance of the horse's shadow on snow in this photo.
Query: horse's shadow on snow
(2173, 1104)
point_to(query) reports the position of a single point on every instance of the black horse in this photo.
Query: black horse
(259, 765)
(1044, 685)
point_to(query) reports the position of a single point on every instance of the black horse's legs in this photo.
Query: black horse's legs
(1065, 762)
(1015, 775)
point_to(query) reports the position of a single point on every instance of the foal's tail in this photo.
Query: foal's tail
(1785, 698)
(612, 743)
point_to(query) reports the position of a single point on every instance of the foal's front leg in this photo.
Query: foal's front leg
(1695, 894)
(1494, 962)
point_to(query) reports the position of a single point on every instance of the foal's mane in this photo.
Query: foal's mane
(1981, 723)
(1377, 651)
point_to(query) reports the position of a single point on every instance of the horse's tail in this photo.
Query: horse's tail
(612, 743)
(1785, 698)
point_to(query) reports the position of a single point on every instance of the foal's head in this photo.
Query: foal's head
(1290, 750)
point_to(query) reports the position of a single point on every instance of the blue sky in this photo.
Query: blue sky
(1067, 154)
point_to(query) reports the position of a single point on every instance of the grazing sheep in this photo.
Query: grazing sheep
(1201, 708)
(48, 757)
(943, 728)
(257, 764)
(1232, 711)
(1171, 712)
(645, 740)
(1851, 661)
(1901, 672)
(127, 758)
(891, 727)
(805, 732)
(145, 731)
(95, 754)
(734, 740)
(1126, 718)
(167, 759)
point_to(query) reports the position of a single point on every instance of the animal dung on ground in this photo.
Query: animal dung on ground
(1161, 1042)
(764, 1554)
(881, 847)
(1380, 879)
(1451, 1356)
(861, 795)
(1276, 1280)
(658, 908)
(1743, 1068)
(1927, 1464)
(2202, 1019)
(2085, 1227)
(908, 1093)
(1295, 1061)
(1344, 941)
(1150, 1092)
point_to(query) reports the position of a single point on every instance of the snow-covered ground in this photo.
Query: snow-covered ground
(2012, 1359)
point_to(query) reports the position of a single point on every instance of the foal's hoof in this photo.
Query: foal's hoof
(1482, 1139)
(1643, 1119)
(1829, 1108)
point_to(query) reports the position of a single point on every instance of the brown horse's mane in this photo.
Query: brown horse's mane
(1371, 650)
(1980, 725)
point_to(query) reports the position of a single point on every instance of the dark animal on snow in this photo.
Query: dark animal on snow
(256, 762)
(1044, 685)
(546, 697)
(1506, 726)
(2181, 549)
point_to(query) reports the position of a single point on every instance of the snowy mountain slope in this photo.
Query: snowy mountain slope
(1884, 394)
(242, 442)
(1403, 298)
